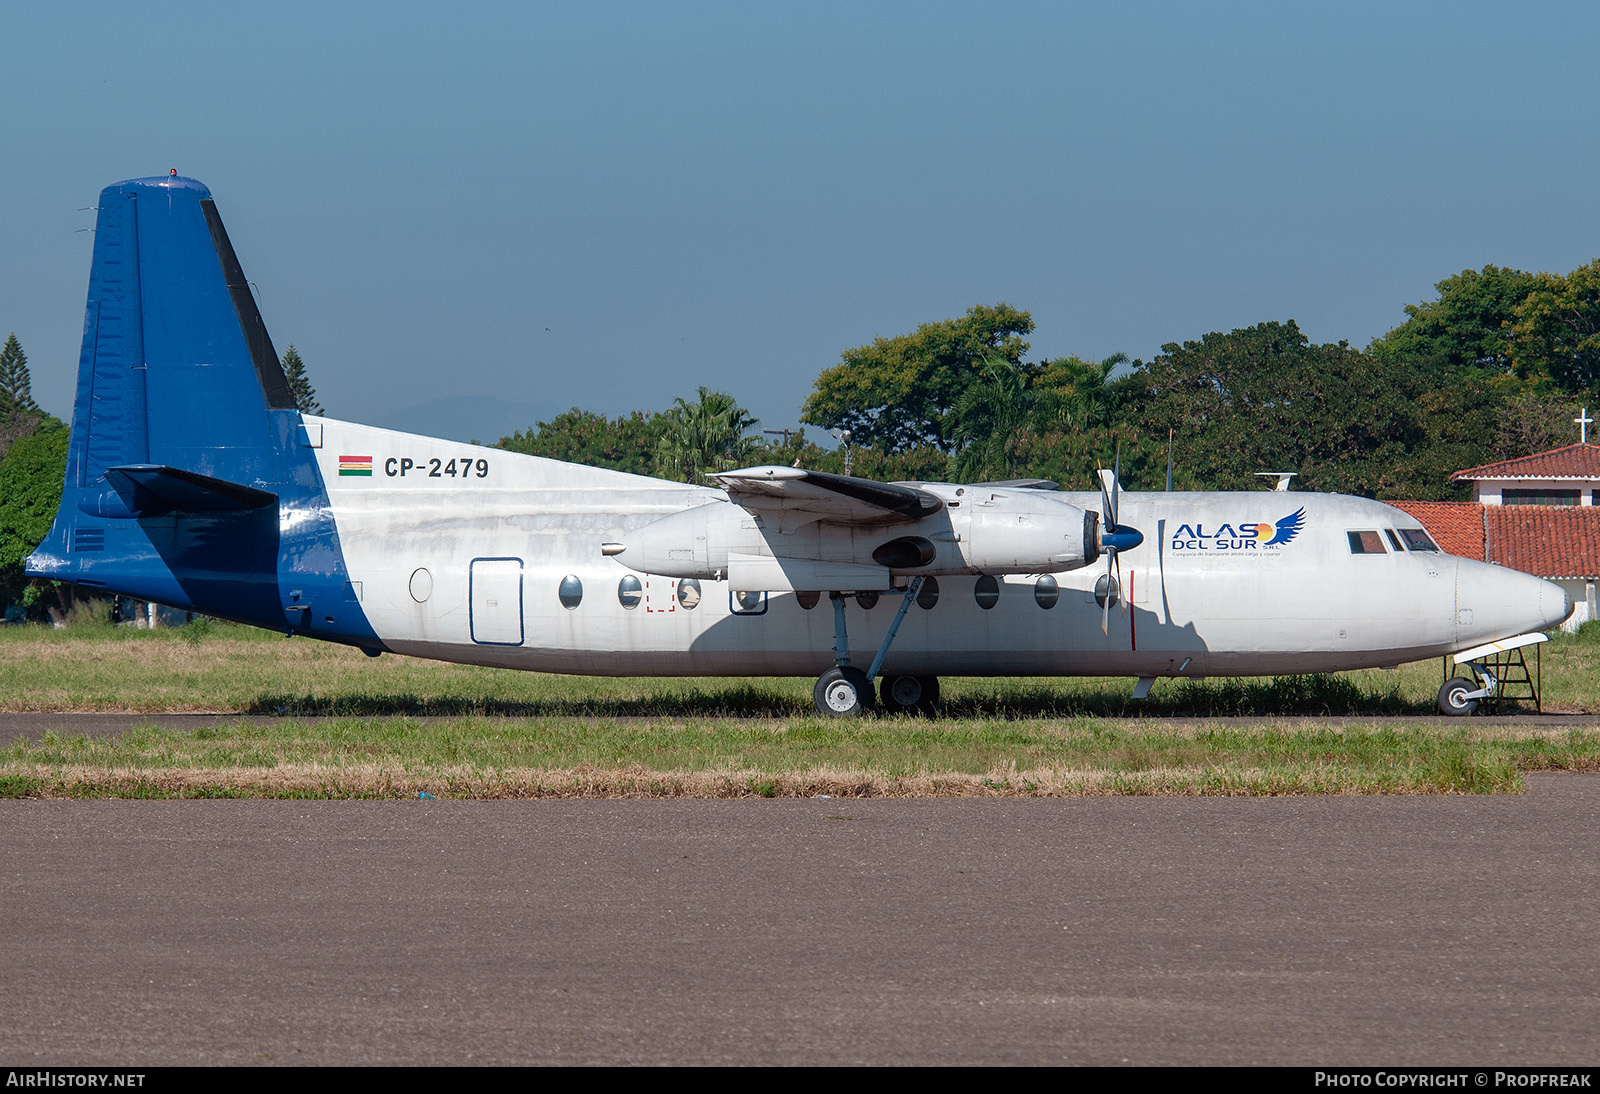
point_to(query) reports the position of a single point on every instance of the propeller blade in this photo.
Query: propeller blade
(1114, 539)
(1108, 499)
(1105, 604)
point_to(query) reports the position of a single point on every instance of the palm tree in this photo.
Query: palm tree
(1094, 399)
(705, 435)
(989, 419)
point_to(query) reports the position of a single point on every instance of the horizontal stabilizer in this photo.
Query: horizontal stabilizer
(147, 488)
(843, 499)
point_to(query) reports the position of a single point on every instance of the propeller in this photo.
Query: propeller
(1114, 539)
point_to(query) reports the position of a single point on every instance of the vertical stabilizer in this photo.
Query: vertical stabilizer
(188, 477)
(177, 367)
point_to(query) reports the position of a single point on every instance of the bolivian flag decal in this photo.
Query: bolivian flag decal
(355, 465)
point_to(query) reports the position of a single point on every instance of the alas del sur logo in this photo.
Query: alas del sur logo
(1242, 537)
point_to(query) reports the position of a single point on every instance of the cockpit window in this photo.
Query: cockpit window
(1394, 540)
(1418, 540)
(1366, 543)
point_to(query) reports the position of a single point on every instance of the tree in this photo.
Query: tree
(294, 370)
(1094, 400)
(1468, 326)
(990, 418)
(30, 494)
(15, 385)
(1531, 421)
(705, 435)
(1557, 329)
(1264, 399)
(582, 436)
(895, 393)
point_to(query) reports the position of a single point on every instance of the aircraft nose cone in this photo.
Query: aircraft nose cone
(1494, 602)
(1555, 603)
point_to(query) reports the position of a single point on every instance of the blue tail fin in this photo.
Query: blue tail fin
(187, 466)
(177, 368)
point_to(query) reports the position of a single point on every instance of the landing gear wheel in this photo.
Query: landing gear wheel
(842, 693)
(909, 694)
(1453, 697)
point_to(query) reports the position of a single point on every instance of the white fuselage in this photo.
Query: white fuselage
(464, 553)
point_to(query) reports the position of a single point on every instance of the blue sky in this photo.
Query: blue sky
(467, 220)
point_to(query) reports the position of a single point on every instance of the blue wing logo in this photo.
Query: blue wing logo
(1288, 528)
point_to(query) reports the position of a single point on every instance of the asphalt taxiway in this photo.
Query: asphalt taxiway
(1103, 931)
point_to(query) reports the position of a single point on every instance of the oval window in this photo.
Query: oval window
(986, 592)
(1104, 582)
(928, 595)
(807, 599)
(748, 601)
(1046, 592)
(571, 592)
(630, 592)
(689, 592)
(868, 600)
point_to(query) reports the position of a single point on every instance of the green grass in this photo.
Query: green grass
(227, 668)
(323, 721)
(726, 757)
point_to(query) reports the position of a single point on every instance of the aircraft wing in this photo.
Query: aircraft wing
(840, 499)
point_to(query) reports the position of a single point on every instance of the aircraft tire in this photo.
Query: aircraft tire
(842, 693)
(1453, 697)
(909, 694)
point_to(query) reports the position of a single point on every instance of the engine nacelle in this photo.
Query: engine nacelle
(981, 530)
(1026, 532)
(693, 543)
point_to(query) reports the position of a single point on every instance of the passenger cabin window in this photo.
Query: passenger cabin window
(747, 603)
(1366, 543)
(1394, 540)
(1418, 540)
(629, 592)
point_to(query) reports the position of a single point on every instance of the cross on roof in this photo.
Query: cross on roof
(1584, 421)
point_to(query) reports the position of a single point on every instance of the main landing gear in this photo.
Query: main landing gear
(844, 691)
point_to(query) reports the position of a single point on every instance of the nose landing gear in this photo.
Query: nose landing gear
(1459, 697)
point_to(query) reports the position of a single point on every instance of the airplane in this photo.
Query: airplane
(193, 481)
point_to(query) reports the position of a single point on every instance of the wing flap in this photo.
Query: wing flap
(841, 499)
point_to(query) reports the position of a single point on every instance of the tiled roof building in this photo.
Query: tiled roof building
(1554, 541)
(1539, 514)
(1561, 476)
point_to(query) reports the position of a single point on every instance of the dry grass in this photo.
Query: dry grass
(389, 781)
